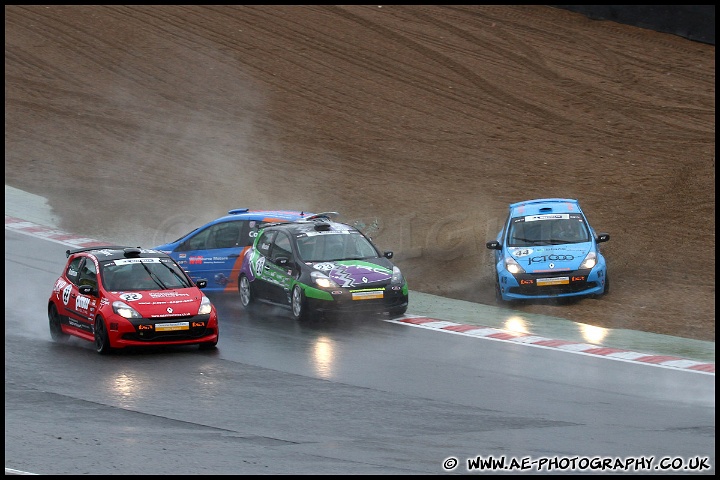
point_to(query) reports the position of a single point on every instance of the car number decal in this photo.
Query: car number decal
(66, 294)
(131, 297)
(259, 266)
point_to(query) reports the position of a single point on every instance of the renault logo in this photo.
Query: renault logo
(169, 310)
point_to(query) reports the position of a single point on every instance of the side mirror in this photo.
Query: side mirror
(87, 290)
(282, 261)
(201, 283)
(494, 245)
(388, 254)
(603, 237)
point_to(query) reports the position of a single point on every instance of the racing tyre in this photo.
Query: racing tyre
(498, 296)
(207, 346)
(299, 304)
(246, 294)
(398, 312)
(102, 340)
(55, 325)
(607, 285)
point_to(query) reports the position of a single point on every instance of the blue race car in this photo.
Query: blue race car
(547, 249)
(214, 251)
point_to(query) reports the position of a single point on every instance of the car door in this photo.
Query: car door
(80, 308)
(279, 269)
(215, 254)
(270, 267)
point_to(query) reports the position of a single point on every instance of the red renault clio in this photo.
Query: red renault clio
(119, 297)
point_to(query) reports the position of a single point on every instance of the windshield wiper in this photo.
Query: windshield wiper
(155, 278)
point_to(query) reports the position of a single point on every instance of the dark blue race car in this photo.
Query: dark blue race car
(215, 250)
(547, 249)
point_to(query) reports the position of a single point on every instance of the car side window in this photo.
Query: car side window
(73, 270)
(224, 235)
(281, 247)
(265, 242)
(196, 242)
(88, 274)
(221, 235)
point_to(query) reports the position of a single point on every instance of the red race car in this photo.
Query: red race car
(121, 297)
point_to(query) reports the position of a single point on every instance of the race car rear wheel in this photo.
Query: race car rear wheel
(299, 304)
(55, 325)
(246, 294)
(102, 340)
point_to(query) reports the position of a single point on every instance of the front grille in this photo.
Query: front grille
(145, 329)
(528, 284)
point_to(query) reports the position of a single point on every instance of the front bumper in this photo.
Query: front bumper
(378, 300)
(153, 331)
(528, 286)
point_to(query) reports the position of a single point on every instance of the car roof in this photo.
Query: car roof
(545, 205)
(262, 215)
(116, 252)
(316, 222)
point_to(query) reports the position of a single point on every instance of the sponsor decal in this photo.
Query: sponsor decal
(547, 216)
(368, 295)
(75, 323)
(59, 285)
(82, 302)
(350, 275)
(172, 327)
(196, 260)
(545, 282)
(167, 294)
(130, 261)
(553, 257)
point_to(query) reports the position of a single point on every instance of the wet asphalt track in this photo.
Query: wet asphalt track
(351, 396)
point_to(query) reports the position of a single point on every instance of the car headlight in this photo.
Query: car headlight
(205, 306)
(125, 310)
(512, 266)
(323, 281)
(397, 277)
(590, 261)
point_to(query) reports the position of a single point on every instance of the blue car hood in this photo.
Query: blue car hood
(550, 258)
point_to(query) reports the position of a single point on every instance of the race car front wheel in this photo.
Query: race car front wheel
(102, 340)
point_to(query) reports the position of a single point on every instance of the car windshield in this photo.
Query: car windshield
(143, 274)
(547, 230)
(330, 246)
